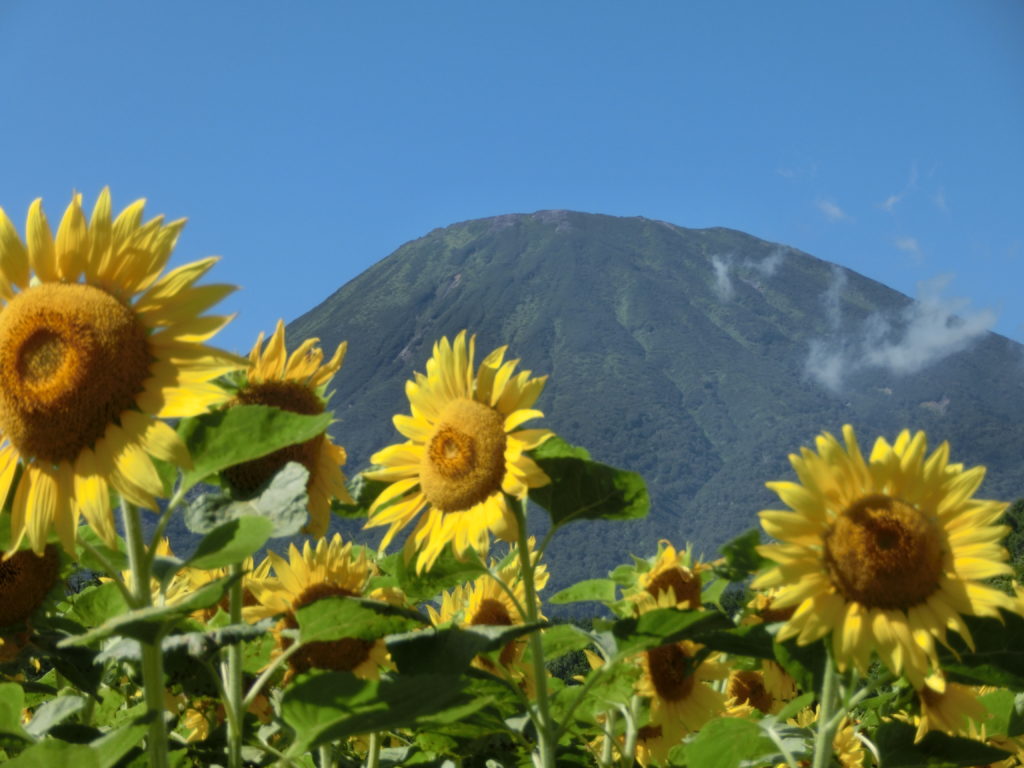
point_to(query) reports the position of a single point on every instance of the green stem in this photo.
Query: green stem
(373, 754)
(609, 738)
(632, 732)
(152, 658)
(233, 684)
(827, 719)
(542, 720)
(326, 753)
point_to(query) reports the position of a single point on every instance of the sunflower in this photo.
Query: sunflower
(327, 571)
(483, 602)
(947, 707)
(95, 349)
(295, 383)
(674, 575)
(676, 679)
(846, 745)
(465, 452)
(26, 580)
(884, 553)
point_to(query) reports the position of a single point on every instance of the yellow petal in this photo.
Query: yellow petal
(13, 254)
(92, 496)
(41, 253)
(72, 242)
(156, 438)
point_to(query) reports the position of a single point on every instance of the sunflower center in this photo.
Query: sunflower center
(72, 359)
(671, 671)
(342, 655)
(884, 553)
(492, 613)
(464, 462)
(747, 687)
(250, 476)
(25, 580)
(684, 586)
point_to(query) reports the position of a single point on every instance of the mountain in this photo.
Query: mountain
(698, 357)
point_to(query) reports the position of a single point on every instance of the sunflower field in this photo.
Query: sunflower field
(872, 619)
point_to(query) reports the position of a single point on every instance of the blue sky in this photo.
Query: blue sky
(306, 141)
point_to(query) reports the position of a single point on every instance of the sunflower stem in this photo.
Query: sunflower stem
(233, 685)
(542, 719)
(152, 658)
(373, 753)
(827, 720)
(326, 752)
(609, 737)
(632, 732)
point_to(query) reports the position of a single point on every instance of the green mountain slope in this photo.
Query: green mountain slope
(683, 354)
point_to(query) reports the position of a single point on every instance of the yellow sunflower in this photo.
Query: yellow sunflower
(95, 349)
(464, 453)
(681, 693)
(846, 745)
(673, 574)
(885, 553)
(295, 383)
(483, 602)
(329, 570)
(947, 707)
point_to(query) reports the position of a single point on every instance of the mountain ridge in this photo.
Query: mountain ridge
(685, 354)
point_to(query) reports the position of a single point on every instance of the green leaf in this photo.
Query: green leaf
(51, 752)
(53, 712)
(601, 590)
(12, 701)
(742, 557)
(562, 639)
(1015, 723)
(802, 701)
(749, 640)
(95, 605)
(364, 492)
(728, 742)
(335, 617)
(147, 624)
(804, 663)
(231, 542)
(221, 439)
(665, 625)
(581, 488)
(198, 645)
(328, 706)
(111, 747)
(283, 501)
(449, 650)
(895, 742)
(117, 558)
(1000, 706)
(997, 658)
(446, 572)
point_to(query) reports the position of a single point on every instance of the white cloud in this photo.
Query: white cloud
(893, 200)
(723, 283)
(832, 296)
(911, 246)
(939, 198)
(769, 264)
(832, 211)
(925, 332)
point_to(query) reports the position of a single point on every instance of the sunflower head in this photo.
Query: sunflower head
(25, 580)
(674, 580)
(295, 383)
(464, 453)
(96, 348)
(885, 553)
(329, 570)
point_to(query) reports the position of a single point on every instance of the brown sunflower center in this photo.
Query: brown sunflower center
(671, 671)
(342, 655)
(492, 613)
(747, 687)
(25, 580)
(884, 553)
(72, 359)
(683, 585)
(292, 396)
(464, 462)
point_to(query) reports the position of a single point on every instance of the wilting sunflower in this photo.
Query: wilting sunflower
(884, 553)
(327, 571)
(295, 383)
(483, 602)
(465, 452)
(95, 349)
(25, 580)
